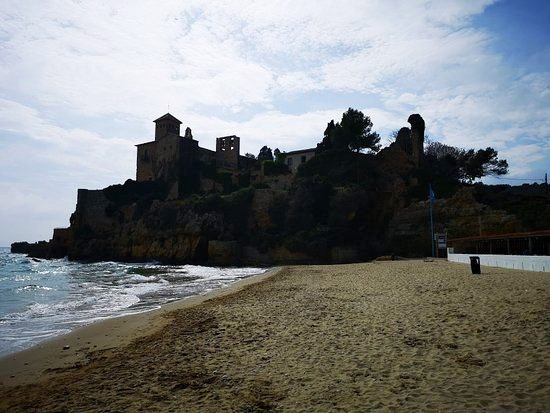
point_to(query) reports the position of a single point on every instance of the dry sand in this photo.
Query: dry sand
(405, 335)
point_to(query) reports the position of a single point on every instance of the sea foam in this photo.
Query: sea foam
(42, 299)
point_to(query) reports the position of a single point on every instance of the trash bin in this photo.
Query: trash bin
(475, 265)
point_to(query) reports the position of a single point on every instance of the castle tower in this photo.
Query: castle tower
(166, 125)
(227, 152)
(417, 137)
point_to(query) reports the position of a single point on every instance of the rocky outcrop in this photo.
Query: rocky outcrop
(40, 249)
(417, 137)
(311, 222)
(339, 207)
(459, 216)
(57, 247)
(224, 253)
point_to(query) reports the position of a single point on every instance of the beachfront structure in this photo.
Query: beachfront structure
(518, 243)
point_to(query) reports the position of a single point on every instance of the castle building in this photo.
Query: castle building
(157, 159)
(176, 159)
(180, 162)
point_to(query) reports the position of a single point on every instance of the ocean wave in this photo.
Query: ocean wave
(34, 287)
(39, 300)
(136, 278)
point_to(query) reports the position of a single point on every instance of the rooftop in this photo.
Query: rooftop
(167, 116)
(300, 151)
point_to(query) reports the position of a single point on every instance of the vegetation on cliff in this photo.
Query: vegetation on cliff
(353, 132)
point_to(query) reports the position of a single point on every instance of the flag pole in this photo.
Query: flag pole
(432, 221)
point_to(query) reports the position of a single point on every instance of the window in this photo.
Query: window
(289, 162)
(303, 159)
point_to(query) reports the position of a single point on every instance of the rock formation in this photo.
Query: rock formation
(339, 207)
(417, 137)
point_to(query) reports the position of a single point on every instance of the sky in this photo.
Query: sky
(81, 82)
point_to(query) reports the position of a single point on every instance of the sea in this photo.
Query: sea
(41, 299)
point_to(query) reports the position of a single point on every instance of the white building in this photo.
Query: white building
(295, 158)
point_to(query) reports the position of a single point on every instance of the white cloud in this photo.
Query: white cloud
(76, 148)
(244, 67)
(530, 154)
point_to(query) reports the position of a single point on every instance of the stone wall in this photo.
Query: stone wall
(91, 209)
(227, 152)
(168, 158)
(146, 157)
(206, 155)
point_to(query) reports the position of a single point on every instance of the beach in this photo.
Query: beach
(405, 335)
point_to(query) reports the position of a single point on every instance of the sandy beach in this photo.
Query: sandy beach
(404, 335)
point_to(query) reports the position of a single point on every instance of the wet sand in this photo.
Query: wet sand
(406, 335)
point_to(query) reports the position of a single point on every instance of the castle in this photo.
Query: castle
(176, 159)
(182, 167)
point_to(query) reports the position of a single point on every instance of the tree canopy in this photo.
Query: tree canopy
(465, 165)
(265, 154)
(353, 132)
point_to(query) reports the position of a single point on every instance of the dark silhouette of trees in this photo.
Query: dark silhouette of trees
(250, 155)
(279, 156)
(265, 154)
(464, 165)
(273, 165)
(357, 132)
(328, 136)
(353, 132)
(277, 166)
(484, 162)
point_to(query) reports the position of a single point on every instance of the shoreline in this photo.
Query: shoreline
(34, 363)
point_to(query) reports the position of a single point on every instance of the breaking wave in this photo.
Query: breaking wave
(40, 299)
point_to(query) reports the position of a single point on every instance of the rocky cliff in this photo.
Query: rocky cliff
(314, 222)
(459, 216)
(340, 207)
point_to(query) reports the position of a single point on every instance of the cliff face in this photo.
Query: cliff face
(213, 230)
(313, 222)
(318, 216)
(142, 230)
(459, 216)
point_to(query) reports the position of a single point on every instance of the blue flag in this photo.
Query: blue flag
(431, 195)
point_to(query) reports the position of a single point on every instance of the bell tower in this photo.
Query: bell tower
(166, 125)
